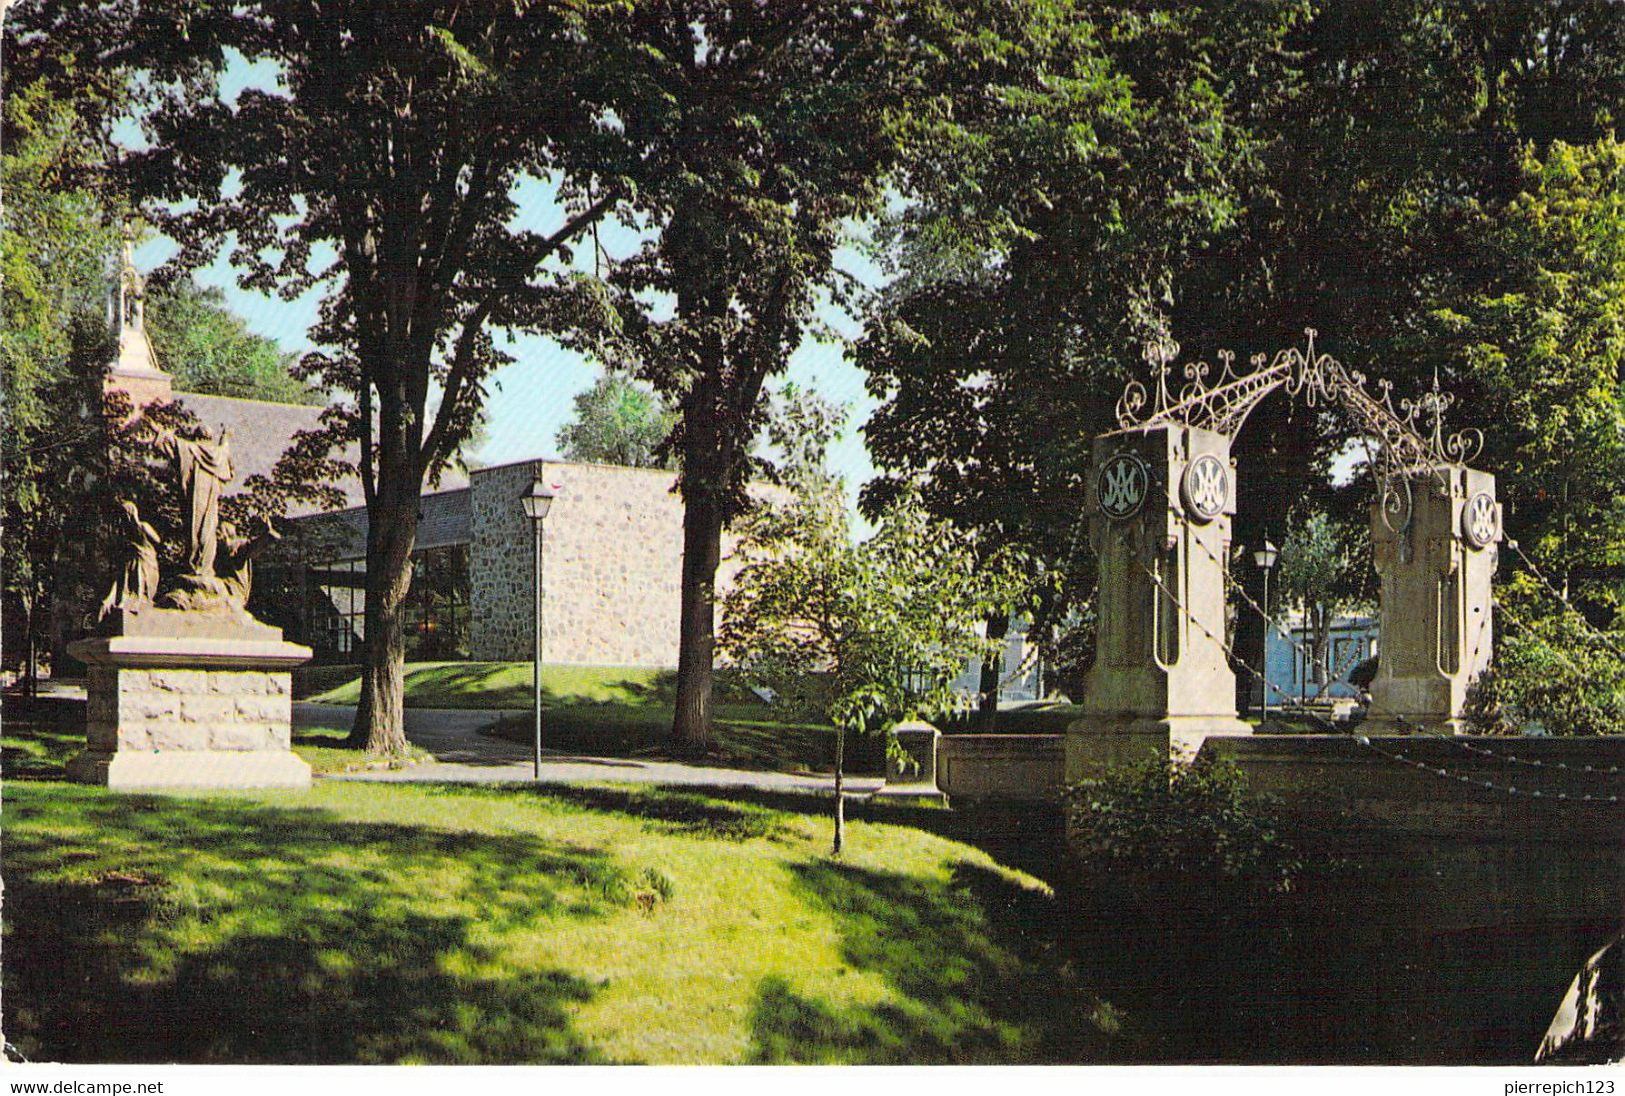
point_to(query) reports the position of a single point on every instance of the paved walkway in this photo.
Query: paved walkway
(464, 755)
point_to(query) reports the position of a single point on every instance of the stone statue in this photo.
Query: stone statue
(203, 468)
(237, 560)
(135, 587)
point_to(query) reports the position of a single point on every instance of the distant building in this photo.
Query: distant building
(1020, 672)
(1291, 672)
(612, 559)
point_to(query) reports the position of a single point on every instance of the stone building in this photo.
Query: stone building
(611, 561)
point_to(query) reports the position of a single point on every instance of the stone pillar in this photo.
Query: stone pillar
(1159, 509)
(1436, 619)
(911, 769)
(189, 700)
(914, 775)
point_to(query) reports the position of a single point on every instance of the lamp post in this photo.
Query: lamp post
(1265, 559)
(537, 501)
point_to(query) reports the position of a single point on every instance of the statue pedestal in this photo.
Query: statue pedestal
(189, 700)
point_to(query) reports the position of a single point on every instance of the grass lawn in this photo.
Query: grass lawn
(624, 711)
(365, 922)
(489, 685)
(323, 749)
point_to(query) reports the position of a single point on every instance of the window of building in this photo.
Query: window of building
(436, 616)
(437, 605)
(336, 621)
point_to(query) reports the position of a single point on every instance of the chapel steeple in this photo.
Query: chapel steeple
(135, 371)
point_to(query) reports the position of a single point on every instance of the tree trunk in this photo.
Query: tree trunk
(1323, 650)
(696, 642)
(392, 521)
(998, 626)
(840, 795)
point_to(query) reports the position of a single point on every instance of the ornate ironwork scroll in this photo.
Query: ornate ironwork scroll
(1402, 444)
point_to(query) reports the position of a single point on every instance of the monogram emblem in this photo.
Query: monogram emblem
(1205, 487)
(1123, 484)
(1479, 521)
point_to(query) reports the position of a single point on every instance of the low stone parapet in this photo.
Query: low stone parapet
(1452, 904)
(1020, 768)
(1447, 785)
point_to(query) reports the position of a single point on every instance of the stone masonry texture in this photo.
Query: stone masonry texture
(612, 547)
(178, 709)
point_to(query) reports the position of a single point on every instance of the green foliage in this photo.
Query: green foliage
(763, 134)
(619, 421)
(748, 187)
(383, 171)
(1169, 828)
(1536, 337)
(1091, 155)
(207, 348)
(1324, 569)
(56, 235)
(1552, 668)
(861, 634)
(1398, 126)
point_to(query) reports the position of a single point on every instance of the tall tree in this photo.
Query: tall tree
(619, 421)
(1086, 170)
(393, 142)
(57, 237)
(768, 126)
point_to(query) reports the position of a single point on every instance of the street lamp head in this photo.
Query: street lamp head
(537, 500)
(1265, 556)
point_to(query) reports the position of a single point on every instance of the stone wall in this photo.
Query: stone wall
(1436, 920)
(1458, 913)
(1014, 768)
(612, 549)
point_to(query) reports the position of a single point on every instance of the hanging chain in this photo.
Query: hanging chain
(1595, 632)
(1372, 708)
(1376, 709)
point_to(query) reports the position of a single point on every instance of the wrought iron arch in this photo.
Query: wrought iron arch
(1403, 443)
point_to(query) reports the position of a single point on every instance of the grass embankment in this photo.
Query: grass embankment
(623, 711)
(364, 922)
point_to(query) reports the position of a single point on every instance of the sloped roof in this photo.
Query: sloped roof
(261, 431)
(444, 518)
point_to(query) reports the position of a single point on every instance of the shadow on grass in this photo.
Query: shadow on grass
(973, 966)
(146, 929)
(604, 730)
(508, 685)
(40, 735)
(666, 810)
(1028, 837)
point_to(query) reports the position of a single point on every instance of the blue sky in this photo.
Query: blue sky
(530, 400)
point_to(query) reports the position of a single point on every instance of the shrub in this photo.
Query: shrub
(1176, 832)
(1555, 672)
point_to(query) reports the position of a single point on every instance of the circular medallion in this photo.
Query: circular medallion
(1480, 523)
(1122, 486)
(1205, 487)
